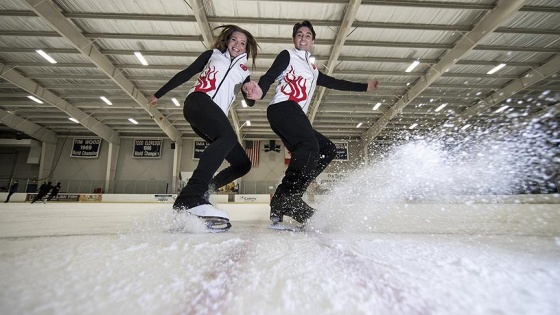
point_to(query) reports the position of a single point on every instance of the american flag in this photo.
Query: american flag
(253, 148)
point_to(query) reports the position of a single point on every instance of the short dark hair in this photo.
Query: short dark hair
(305, 23)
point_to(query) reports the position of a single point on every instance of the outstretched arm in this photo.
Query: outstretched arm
(344, 85)
(182, 77)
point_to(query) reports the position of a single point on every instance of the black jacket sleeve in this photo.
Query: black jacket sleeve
(338, 84)
(249, 102)
(278, 66)
(185, 75)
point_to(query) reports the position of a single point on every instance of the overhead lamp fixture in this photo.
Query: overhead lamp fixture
(132, 120)
(359, 125)
(33, 98)
(440, 107)
(465, 126)
(175, 101)
(243, 103)
(376, 107)
(496, 68)
(248, 123)
(74, 120)
(413, 126)
(104, 99)
(141, 58)
(412, 66)
(45, 55)
(501, 109)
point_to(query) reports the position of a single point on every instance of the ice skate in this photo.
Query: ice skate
(216, 220)
(278, 225)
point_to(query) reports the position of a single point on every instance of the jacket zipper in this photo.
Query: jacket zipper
(232, 63)
(311, 69)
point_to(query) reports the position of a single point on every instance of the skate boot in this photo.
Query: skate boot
(278, 207)
(216, 220)
(302, 212)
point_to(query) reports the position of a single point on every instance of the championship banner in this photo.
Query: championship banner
(147, 148)
(199, 147)
(341, 151)
(86, 147)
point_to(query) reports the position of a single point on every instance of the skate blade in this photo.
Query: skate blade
(289, 228)
(216, 224)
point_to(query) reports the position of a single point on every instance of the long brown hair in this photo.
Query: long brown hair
(225, 34)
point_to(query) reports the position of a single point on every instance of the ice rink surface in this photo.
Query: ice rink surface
(63, 258)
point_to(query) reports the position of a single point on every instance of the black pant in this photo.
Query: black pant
(9, 195)
(311, 151)
(209, 122)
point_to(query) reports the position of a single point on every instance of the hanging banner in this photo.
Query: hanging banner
(341, 151)
(147, 148)
(199, 147)
(86, 147)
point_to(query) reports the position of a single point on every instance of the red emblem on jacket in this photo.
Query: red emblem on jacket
(206, 80)
(243, 67)
(295, 87)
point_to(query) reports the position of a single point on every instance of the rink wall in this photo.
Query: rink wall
(265, 198)
(511, 215)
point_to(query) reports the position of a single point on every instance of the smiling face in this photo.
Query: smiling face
(304, 39)
(237, 44)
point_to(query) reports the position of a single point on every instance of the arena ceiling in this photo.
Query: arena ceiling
(455, 43)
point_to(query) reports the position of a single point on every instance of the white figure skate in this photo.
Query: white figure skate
(216, 220)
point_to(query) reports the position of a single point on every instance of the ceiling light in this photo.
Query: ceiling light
(412, 126)
(465, 126)
(243, 103)
(376, 107)
(104, 99)
(132, 120)
(141, 58)
(359, 125)
(175, 101)
(440, 107)
(33, 98)
(496, 68)
(501, 109)
(248, 123)
(478, 93)
(74, 120)
(44, 55)
(412, 66)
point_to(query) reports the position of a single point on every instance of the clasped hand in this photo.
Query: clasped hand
(252, 90)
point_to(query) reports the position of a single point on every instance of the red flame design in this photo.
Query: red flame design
(295, 87)
(206, 81)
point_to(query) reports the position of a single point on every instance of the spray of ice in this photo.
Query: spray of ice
(503, 160)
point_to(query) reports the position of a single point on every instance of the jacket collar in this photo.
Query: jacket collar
(302, 53)
(243, 56)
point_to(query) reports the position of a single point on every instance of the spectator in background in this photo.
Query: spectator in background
(54, 191)
(13, 189)
(43, 191)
